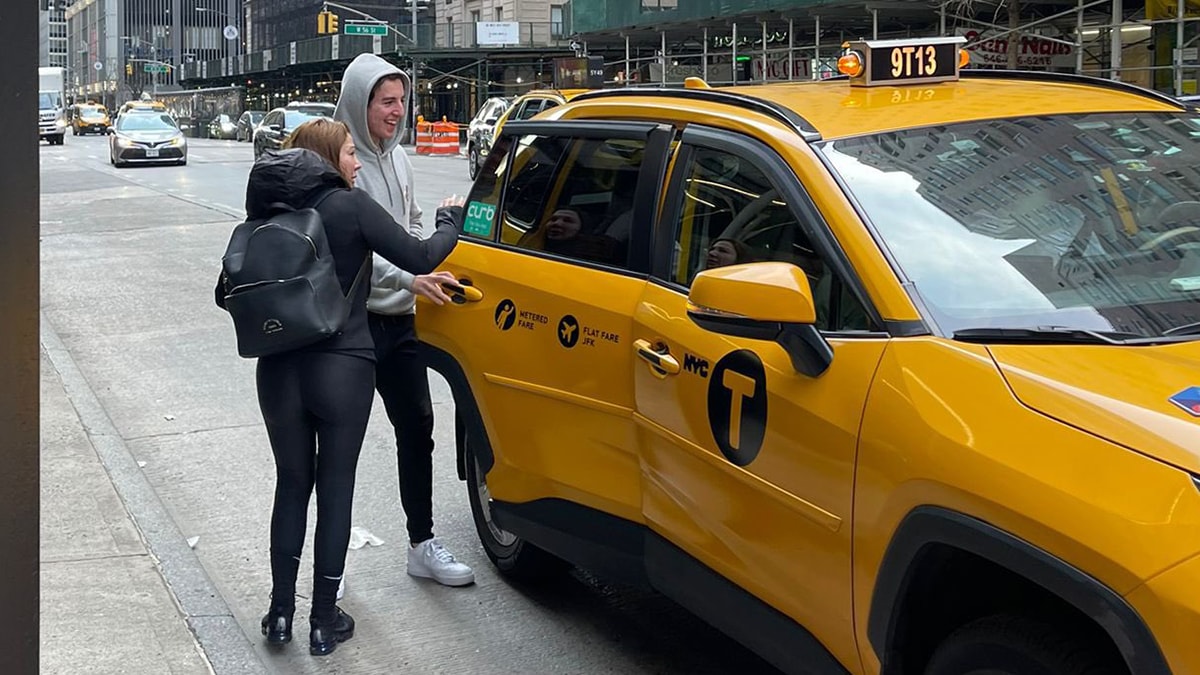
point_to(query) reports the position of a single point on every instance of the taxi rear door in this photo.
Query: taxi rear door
(549, 361)
(749, 465)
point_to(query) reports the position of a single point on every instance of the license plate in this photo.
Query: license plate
(151, 152)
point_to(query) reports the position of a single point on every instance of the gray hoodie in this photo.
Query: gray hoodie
(386, 175)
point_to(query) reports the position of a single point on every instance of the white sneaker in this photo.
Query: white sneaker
(431, 560)
(342, 587)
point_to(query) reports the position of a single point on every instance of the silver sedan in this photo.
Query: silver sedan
(145, 138)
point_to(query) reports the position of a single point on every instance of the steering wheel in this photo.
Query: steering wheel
(1177, 212)
(1168, 238)
(747, 214)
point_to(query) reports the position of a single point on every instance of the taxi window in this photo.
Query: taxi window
(573, 197)
(479, 214)
(732, 213)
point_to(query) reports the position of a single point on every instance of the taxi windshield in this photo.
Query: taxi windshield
(92, 111)
(1087, 222)
(146, 122)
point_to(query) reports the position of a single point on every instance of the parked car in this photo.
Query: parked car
(891, 373)
(480, 132)
(146, 137)
(278, 124)
(222, 127)
(246, 124)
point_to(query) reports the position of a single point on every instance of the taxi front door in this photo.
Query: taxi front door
(748, 466)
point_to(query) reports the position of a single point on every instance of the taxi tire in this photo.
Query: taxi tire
(473, 161)
(520, 559)
(1011, 644)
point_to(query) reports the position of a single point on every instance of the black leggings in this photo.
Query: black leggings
(316, 407)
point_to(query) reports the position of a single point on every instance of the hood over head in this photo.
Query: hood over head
(291, 177)
(358, 80)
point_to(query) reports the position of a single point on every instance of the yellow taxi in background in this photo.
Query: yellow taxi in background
(893, 373)
(89, 118)
(533, 102)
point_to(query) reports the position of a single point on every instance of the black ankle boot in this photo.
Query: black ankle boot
(277, 625)
(326, 635)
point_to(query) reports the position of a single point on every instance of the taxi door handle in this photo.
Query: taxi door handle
(462, 292)
(659, 360)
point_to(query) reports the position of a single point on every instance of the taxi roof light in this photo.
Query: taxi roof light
(964, 58)
(850, 64)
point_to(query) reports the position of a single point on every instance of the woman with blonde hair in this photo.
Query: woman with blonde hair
(316, 400)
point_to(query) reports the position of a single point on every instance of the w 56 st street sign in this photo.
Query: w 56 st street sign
(364, 28)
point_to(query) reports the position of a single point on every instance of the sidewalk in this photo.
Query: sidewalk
(106, 606)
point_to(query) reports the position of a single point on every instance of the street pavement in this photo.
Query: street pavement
(157, 477)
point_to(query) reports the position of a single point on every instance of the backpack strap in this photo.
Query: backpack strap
(366, 265)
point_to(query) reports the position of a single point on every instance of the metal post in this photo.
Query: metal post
(154, 73)
(416, 91)
(1179, 50)
(874, 24)
(662, 36)
(764, 51)
(816, 59)
(1115, 39)
(942, 19)
(704, 56)
(792, 46)
(1079, 39)
(628, 73)
(733, 56)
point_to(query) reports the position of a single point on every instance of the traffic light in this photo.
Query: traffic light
(327, 23)
(128, 69)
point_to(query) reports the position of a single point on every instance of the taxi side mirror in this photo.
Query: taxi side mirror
(762, 301)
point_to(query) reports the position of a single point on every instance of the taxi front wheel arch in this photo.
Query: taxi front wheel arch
(513, 556)
(1012, 644)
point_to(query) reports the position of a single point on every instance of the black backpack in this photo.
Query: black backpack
(279, 282)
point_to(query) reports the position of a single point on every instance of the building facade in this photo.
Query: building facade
(119, 49)
(52, 33)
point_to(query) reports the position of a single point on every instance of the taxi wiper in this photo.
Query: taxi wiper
(1048, 335)
(1185, 329)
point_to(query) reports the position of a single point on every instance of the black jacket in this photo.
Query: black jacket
(354, 224)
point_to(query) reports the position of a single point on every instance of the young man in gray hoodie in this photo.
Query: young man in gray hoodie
(372, 103)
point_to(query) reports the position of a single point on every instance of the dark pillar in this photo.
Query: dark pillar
(19, 342)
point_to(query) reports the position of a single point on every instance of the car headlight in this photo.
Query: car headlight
(177, 141)
(124, 142)
(61, 123)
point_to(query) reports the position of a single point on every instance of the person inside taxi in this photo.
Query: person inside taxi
(565, 233)
(726, 251)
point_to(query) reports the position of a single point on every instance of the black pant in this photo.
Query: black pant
(403, 383)
(316, 407)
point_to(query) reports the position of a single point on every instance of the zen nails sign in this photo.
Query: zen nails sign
(1032, 51)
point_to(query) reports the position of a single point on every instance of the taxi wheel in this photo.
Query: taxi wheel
(1007, 644)
(473, 161)
(513, 556)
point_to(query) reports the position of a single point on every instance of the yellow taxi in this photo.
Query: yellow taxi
(533, 102)
(892, 373)
(90, 117)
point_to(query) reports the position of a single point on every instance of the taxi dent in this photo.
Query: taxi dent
(931, 408)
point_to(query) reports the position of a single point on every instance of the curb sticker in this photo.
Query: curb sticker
(568, 331)
(737, 406)
(1189, 400)
(478, 220)
(506, 313)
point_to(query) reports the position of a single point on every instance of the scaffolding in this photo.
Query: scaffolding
(1152, 43)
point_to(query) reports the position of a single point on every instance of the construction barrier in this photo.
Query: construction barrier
(445, 138)
(425, 135)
